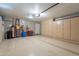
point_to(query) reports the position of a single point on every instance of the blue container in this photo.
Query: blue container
(24, 34)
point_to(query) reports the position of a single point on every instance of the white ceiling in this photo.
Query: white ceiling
(23, 11)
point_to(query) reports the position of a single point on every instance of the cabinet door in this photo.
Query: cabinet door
(54, 30)
(67, 29)
(75, 29)
(60, 29)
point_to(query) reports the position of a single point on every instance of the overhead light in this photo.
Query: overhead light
(43, 14)
(37, 15)
(30, 16)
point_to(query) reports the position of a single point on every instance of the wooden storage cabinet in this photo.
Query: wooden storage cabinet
(60, 28)
(67, 29)
(75, 29)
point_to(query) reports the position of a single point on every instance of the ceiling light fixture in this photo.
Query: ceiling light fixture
(37, 15)
(31, 17)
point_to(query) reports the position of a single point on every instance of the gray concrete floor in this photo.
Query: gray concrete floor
(37, 46)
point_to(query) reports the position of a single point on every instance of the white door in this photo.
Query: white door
(37, 28)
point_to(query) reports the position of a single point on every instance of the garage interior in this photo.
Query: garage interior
(39, 29)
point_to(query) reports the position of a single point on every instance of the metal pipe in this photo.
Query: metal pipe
(49, 7)
(73, 15)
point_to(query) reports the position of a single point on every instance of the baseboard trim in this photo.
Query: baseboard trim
(62, 39)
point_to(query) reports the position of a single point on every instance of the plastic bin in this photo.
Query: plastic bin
(29, 33)
(24, 34)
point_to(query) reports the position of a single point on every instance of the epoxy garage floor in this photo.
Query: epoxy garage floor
(37, 46)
